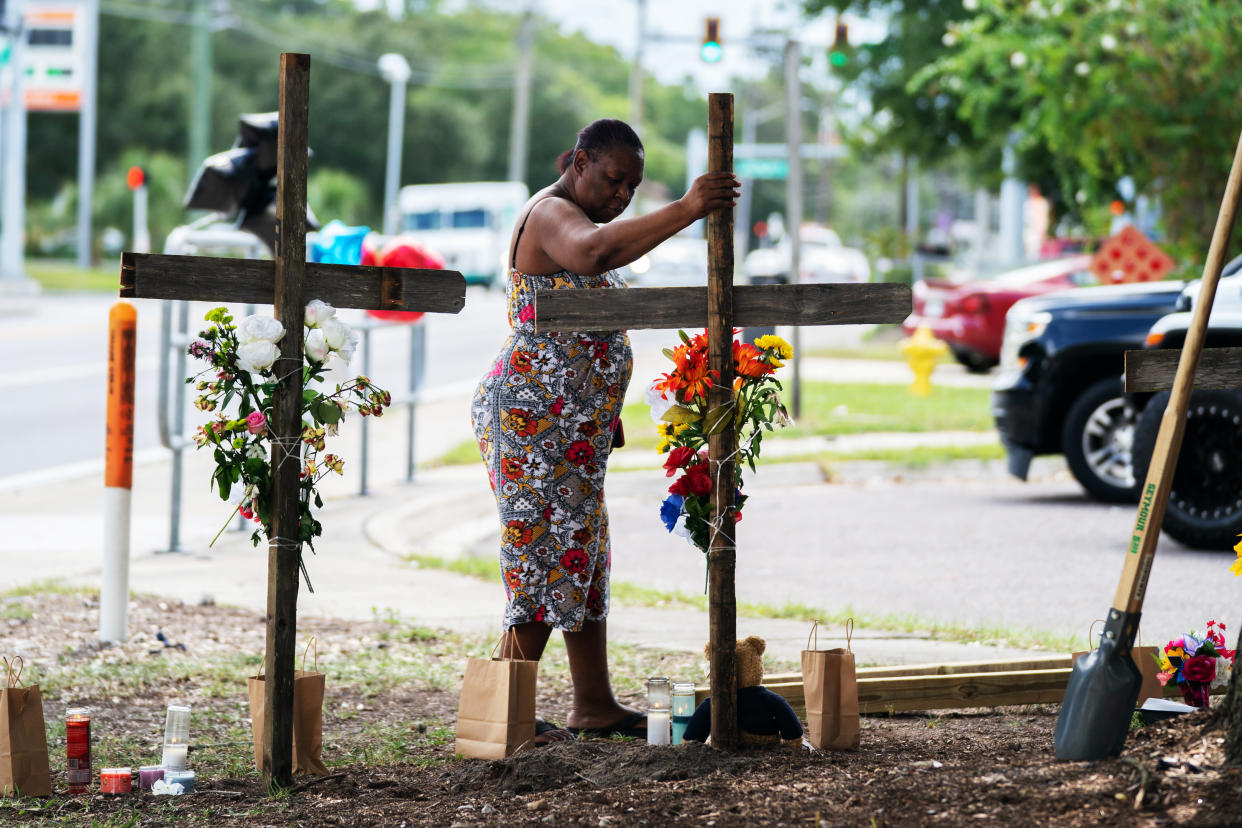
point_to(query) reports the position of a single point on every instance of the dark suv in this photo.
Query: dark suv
(1059, 390)
(1205, 502)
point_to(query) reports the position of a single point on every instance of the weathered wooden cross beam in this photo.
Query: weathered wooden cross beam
(720, 305)
(1154, 370)
(285, 283)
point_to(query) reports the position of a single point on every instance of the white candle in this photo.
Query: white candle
(658, 723)
(175, 756)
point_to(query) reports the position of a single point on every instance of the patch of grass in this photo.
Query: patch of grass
(56, 276)
(860, 408)
(919, 457)
(465, 453)
(51, 586)
(884, 351)
(635, 595)
(485, 569)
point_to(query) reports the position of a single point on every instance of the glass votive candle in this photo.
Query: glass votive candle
(148, 774)
(176, 737)
(184, 778)
(683, 709)
(659, 704)
(116, 781)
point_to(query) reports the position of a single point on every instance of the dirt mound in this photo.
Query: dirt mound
(600, 763)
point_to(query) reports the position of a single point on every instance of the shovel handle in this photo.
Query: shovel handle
(1155, 492)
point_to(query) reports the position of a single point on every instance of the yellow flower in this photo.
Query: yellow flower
(772, 342)
(665, 429)
(665, 444)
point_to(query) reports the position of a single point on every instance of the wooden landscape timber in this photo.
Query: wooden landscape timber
(955, 686)
(286, 283)
(1154, 370)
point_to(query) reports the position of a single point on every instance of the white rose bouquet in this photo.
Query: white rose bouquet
(241, 357)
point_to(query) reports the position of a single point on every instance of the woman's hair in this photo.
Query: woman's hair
(601, 135)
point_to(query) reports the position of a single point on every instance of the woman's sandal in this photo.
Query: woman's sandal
(552, 733)
(628, 726)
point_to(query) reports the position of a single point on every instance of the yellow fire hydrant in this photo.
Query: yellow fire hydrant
(922, 352)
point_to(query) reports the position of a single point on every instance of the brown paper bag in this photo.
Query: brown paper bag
(24, 768)
(1144, 659)
(308, 689)
(831, 688)
(497, 713)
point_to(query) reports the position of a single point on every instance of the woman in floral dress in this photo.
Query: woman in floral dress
(546, 412)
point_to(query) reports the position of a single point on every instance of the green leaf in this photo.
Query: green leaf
(668, 352)
(325, 411)
(308, 396)
(717, 419)
(683, 336)
(680, 414)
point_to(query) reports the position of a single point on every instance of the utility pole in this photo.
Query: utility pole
(636, 70)
(86, 130)
(396, 70)
(520, 127)
(13, 279)
(793, 203)
(200, 92)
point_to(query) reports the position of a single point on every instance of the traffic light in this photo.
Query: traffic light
(710, 51)
(839, 53)
(135, 177)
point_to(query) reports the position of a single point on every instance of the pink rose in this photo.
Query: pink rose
(527, 313)
(256, 423)
(1199, 668)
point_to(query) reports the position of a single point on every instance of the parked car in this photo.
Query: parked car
(678, 262)
(970, 316)
(1204, 509)
(1059, 390)
(821, 258)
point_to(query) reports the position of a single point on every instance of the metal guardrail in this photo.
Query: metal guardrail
(175, 338)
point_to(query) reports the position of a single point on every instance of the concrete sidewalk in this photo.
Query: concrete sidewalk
(362, 566)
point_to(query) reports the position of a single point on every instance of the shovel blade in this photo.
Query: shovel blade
(1099, 703)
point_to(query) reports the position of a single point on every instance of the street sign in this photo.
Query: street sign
(761, 167)
(55, 56)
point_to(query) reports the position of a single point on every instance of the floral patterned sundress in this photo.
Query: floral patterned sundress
(544, 417)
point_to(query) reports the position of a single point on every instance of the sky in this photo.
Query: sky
(675, 29)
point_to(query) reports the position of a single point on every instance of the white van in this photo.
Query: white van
(468, 223)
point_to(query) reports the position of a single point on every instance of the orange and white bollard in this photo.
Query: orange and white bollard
(118, 473)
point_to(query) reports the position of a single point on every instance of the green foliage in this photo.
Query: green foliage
(1104, 90)
(459, 104)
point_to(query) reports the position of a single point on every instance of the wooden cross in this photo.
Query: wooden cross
(722, 306)
(284, 283)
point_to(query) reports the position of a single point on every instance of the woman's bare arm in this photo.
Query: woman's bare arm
(574, 242)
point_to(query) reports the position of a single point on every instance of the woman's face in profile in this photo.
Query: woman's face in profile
(609, 182)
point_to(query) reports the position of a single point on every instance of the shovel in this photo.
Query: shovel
(1104, 685)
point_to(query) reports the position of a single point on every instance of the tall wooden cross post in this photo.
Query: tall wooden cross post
(285, 284)
(721, 306)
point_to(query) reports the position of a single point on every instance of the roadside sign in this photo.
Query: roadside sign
(1130, 256)
(761, 167)
(55, 55)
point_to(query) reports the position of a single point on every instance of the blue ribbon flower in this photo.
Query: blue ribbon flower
(670, 510)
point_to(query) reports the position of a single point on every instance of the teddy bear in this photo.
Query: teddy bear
(763, 717)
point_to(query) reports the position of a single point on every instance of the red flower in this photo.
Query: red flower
(521, 422)
(1199, 668)
(541, 613)
(557, 407)
(581, 536)
(593, 602)
(737, 517)
(511, 467)
(517, 533)
(696, 481)
(520, 362)
(677, 458)
(575, 561)
(588, 429)
(513, 578)
(580, 453)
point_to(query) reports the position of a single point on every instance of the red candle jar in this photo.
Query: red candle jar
(78, 755)
(116, 781)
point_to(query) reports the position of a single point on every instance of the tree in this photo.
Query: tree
(1112, 89)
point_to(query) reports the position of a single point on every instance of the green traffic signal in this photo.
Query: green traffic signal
(838, 59)
(710, 51)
